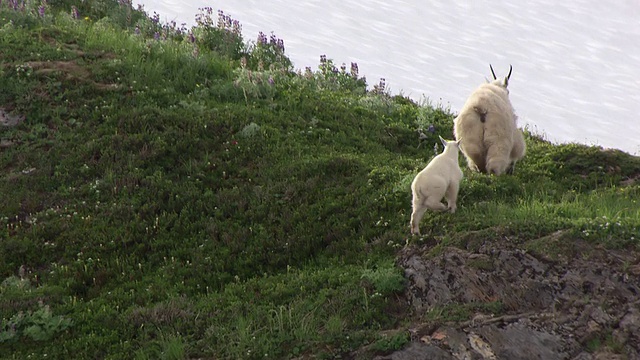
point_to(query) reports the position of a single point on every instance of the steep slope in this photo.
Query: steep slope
(177, 193)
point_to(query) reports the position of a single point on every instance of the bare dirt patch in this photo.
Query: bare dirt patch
(71, 69)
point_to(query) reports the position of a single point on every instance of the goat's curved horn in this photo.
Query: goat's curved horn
(510, 69)
(493, 72)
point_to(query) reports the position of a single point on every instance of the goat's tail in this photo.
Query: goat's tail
(482, 113)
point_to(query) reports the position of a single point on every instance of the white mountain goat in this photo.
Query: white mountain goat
(441, 178)
(488, 124)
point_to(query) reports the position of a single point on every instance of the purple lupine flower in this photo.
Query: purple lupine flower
(273, 39)
(75, 13)
(237, 27)
(343, 68)
(156, 35)
(262, 38)
(281, 45)
(192, 38)
(271, 81)
(380, 87)
(221, 19)
(137, 30)
(323, 58)
(41, 10)
(354, 69)
(155, 18)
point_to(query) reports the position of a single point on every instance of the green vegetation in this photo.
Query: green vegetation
(182, 193)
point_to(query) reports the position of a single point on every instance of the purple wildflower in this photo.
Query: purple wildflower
(380, 87)
(156, 35)
(271, 81)
(75, 13)
(41, 10)
(155, 18)
(137, 30)
(237, 28)
(192, 38)
(204, 18)
(262, 38)
(343, 68)
(280, 45)
(221, 19)
(354, 69)
(431, 129)
(323, 58)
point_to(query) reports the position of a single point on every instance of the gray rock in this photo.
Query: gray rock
(418, 351)
(552, 309)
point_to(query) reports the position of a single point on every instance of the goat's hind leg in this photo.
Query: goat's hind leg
(418, 212)
(452, 197)
(434, 203)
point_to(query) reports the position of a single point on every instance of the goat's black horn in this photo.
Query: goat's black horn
(493, 72)
(510, 69)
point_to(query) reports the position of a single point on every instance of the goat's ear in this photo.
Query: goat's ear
(444, 142)
(505, 82)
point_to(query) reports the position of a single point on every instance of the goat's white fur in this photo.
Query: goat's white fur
(487, 123)
(440, 178)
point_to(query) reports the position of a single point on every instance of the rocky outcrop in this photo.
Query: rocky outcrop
(582, 308)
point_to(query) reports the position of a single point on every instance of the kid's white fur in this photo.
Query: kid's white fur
(440, 178)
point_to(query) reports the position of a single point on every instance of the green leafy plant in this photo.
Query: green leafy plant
(38, 325)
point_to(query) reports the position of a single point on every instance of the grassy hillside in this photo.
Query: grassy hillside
(171, 193)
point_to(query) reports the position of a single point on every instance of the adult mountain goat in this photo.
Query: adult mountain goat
(487, 125)
(441, 178)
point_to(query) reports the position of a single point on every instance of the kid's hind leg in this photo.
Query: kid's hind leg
(418, 212)
(452, 196)
(434, 203)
